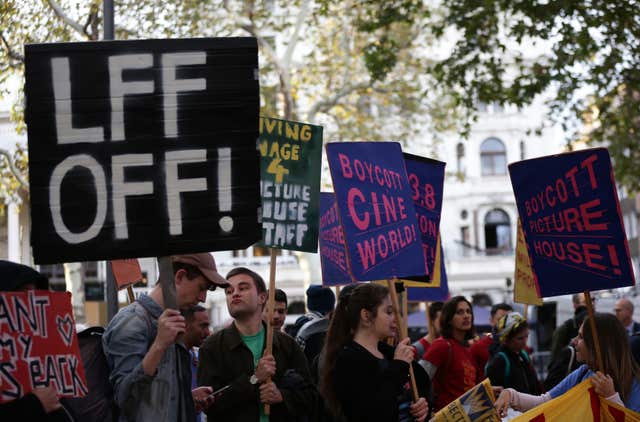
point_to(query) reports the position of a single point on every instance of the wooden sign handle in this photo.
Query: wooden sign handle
(270, 306)
(594, 330)
(403, 330)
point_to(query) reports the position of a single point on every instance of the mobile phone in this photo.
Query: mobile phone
(219, 392)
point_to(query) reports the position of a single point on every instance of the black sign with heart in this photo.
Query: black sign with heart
(65, 328)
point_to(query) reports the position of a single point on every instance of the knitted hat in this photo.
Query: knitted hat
(508, 323)
(13, 276)
(320, 299)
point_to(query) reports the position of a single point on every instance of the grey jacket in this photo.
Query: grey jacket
(165, 396)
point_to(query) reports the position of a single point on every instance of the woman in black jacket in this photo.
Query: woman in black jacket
(362, 378)
(510, 366)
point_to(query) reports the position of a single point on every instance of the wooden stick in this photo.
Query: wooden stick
(405, 312)
(594, 331)
(132, 297)
(526, 311)
(167, 283)
(270, 305)
(402, 329)
(337, 292)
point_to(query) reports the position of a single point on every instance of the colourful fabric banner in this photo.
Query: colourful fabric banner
(438, 289)
(474, 405)
(290, 183)
(581, 403)
(126, 271)
(572, 222)
(39, 346)
(426, 177)
(524, 286)
(333, 255)
(376, 210)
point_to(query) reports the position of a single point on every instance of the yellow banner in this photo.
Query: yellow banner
(581, 403)
(474, 405)
(524, 288)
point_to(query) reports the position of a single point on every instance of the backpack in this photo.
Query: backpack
(99, 403)
(507, 367)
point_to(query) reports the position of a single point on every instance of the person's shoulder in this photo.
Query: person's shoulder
(217, 338)
(439, 344)
(131, 317)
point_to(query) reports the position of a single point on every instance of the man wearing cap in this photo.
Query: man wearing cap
(149, 365)
(321, 302)
(235, 359)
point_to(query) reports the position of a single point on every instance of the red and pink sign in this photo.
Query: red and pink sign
(38, 345)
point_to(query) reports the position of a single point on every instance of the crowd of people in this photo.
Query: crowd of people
(344, 361)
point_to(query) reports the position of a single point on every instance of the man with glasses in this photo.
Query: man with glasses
(149, 364)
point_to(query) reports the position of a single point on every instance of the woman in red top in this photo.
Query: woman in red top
(448, 361)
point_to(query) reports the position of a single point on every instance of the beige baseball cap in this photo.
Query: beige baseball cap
(207, 266)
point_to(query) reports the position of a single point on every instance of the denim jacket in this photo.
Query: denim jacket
(164, 396)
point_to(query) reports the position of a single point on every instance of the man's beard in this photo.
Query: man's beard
(241, 313)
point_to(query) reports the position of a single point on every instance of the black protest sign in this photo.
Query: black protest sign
(142, 148)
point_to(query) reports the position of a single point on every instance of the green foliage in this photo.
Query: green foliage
(320, 61)
(586, 53)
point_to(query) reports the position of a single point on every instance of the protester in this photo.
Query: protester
(563, 335)
(449, 362)
(310, 337)
(624, 312)
(150, 370)
(279, 310)
(566, 362)
(422, 346)
(320, 302)
(510, 366)
(363, 378)
(235, 358)
(619, 382)
(42, 403)
(197, 331)
(483, 349)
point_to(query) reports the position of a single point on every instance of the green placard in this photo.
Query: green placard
(290, 183)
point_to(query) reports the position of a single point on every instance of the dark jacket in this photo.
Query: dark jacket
(565, 364)
(371, 389)
(563, 335)
(521, 376)
(226, 360)
(29, 408)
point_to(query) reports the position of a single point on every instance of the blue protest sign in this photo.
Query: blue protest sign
(333, 255)
(432, 294)
(426, 177)
(572, 222)
(376, 211)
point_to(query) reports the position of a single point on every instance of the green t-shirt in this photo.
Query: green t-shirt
(255, 343)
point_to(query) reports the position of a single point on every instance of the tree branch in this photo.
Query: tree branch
(14, 170)
(304, 10)
(331, 101)
(10, 52)
(66, 19)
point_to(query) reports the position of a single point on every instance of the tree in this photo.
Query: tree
(585, 54)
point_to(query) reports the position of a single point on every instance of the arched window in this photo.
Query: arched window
(497, 232)
(493, 157)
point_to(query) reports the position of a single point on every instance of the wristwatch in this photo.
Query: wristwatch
(253, 380)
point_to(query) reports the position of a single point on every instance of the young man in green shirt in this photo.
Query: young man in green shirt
(235, 357)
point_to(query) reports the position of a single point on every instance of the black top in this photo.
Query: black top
(521, 377)
(372, 389)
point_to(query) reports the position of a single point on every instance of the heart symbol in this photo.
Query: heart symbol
(65, 328)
